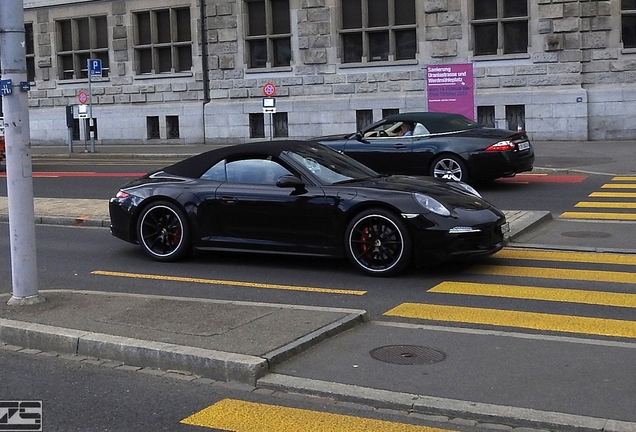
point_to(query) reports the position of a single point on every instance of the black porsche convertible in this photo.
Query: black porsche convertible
(443, 145)
(300, 197)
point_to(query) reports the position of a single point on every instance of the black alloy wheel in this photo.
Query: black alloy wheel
(449, 167)
(163, 232)
(377, 243)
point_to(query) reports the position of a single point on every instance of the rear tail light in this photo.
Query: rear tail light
(502, 146)
(122, 194)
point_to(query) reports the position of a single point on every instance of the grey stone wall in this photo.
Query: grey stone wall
(576, 82)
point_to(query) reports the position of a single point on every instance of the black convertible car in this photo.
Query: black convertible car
(440, 145)
(300, 197)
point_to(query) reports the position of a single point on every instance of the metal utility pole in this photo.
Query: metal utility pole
(15, 106)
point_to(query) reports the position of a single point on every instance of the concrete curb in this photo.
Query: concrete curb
(521, 221)
(213, 364)
(428, 405)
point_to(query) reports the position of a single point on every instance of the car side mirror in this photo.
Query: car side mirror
(360, 137)
(290, 181)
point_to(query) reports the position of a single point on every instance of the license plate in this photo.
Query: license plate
(523, 145)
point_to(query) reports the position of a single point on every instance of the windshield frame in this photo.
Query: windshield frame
(329, 166)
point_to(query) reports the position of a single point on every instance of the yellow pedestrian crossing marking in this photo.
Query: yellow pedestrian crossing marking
(606, 204)
(618, 186)
(228, 282)
(612, 195)
(516, 319)
(624, 178)
(609, 216)
(537, 293)
(241, 416)
(578, 257)
(555, 273)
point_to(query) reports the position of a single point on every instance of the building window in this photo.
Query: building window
(378, 30)
(163, 41)
(152, 127)
(516, 117)
(257, 125)
(79, 40)
(364, 118)
(500, 27)
(30, 52)
(172, 127)
(268, 33)
(390, 111)
(281, 128)
(628, 23)
(486, 116)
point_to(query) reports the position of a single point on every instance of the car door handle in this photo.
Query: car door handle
(228, 200)
(400, 145)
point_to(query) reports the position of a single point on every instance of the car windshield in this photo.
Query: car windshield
(331, 166)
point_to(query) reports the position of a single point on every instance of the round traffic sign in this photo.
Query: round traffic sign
(269, 89)
(82, 97)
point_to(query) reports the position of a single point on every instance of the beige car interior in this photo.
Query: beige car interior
(393, 130)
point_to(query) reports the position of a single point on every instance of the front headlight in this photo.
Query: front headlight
(468, 188)
(431, 204)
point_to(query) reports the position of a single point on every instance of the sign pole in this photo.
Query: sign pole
(19, 167)
(90, 105)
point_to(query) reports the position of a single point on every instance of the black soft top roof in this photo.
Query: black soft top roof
(435, 122)
(196, 166)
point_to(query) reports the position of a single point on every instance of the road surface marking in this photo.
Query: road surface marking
(580, 257)
(241, 416)
(542, 178)
(624, 178)
(227, 282)
(605, 204)
(619, 186)
(551, 273)
(593, 215)
(612, 195)
(508, 318)
(537, 293)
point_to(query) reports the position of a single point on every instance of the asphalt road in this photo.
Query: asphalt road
(67, 258)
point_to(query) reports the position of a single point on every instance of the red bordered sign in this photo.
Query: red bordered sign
(269, 89)
(82, 97)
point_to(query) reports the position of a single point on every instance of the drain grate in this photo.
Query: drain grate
(586, 234)
(407, 354)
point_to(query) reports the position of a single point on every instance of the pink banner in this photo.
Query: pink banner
(450, 89)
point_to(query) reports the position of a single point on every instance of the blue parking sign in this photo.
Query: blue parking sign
(95, 67)
(6, 87)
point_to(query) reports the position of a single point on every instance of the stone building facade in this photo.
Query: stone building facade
(560, 69)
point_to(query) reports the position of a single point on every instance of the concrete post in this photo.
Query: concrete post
(18, 163)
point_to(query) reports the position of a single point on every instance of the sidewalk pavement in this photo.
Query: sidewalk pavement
(229, 341)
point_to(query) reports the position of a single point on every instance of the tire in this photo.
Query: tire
(449, 167)
(162, 232)
(378, 243)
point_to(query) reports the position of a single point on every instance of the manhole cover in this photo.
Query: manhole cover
(407, 354)
(586, 234)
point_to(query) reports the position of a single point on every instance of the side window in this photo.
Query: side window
(420, 129)
(163, 41)
(628, 23)
(255, 171)
(79, 40)
(268, 35)
(500, 27)
(373, 30)
(390, 129)
(216, 173)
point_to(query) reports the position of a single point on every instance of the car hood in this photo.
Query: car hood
(441, 190)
